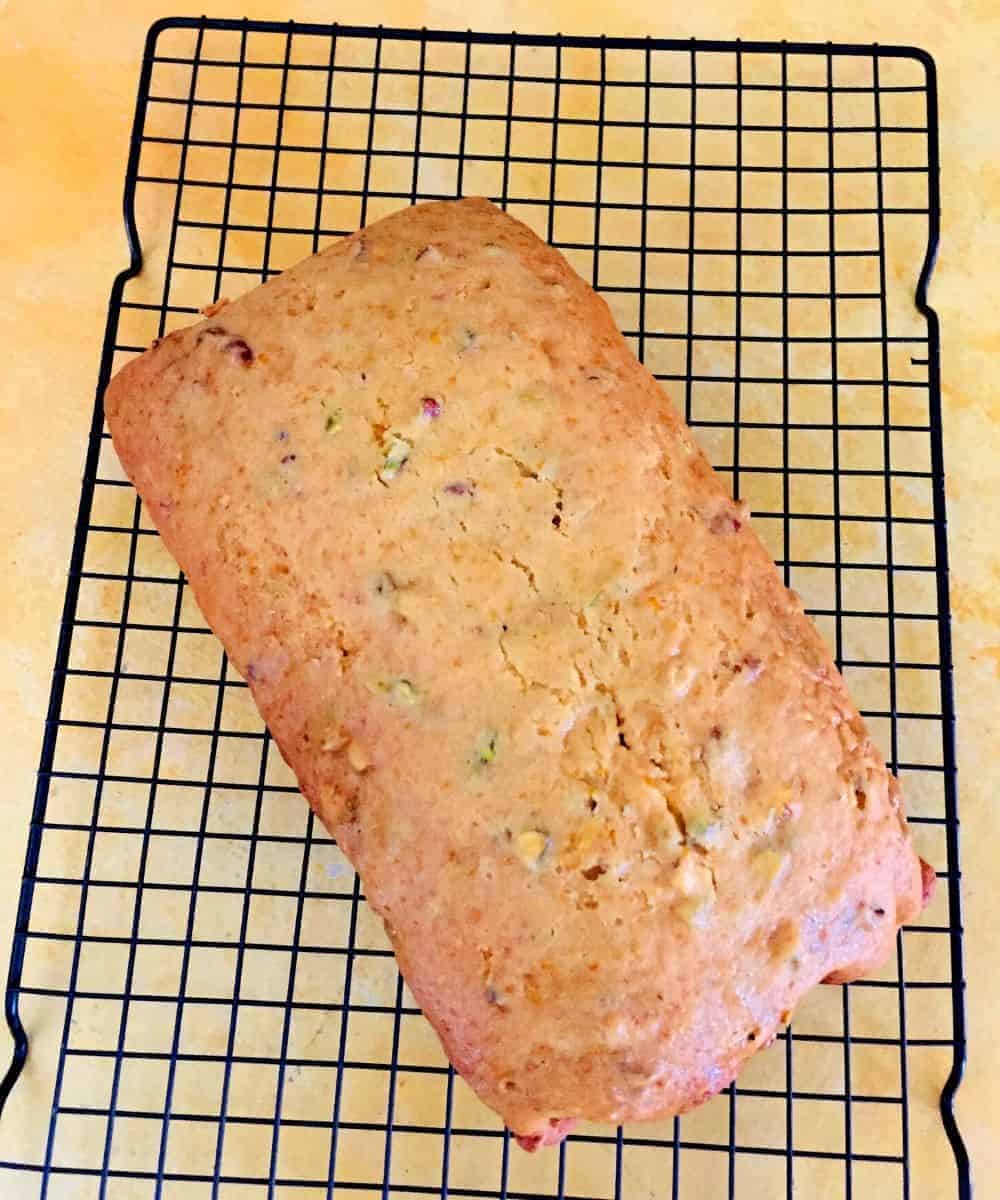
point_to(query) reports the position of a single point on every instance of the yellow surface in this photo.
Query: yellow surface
(67, 85)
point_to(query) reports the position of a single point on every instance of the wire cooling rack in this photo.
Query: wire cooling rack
(211, 1007)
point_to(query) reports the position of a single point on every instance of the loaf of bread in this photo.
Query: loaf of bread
(529, 662)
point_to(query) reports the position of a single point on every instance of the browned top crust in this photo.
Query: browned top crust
(531, 665)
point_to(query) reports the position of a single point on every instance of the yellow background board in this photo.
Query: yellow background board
(67, 86)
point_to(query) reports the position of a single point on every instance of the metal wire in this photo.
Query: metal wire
(257, 957)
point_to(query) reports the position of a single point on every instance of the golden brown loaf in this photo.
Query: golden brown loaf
(530, 664)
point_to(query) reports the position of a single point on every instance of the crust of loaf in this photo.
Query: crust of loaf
(528, 660)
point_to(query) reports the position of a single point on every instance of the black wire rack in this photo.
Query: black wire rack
(212, 1009)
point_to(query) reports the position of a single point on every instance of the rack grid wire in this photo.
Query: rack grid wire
(212, 1008)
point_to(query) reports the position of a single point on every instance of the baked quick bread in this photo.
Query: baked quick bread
(529, 662)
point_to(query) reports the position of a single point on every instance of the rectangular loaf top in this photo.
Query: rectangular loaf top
(529, 661)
